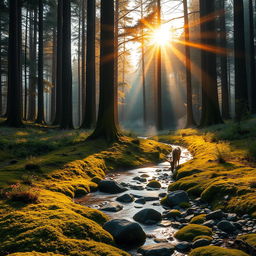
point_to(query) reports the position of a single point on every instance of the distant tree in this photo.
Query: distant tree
(241, 93)
(210, 105)
(252, 58)
(58, 113)
(106, 126)
(190, 115)
(14, 97)
(223, 60)
(90, 102)
(159, 121)
(67, 115)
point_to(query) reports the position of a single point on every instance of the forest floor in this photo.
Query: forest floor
(42, 170)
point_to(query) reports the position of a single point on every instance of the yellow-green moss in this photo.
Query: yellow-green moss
(203, 237)
(154, 184)
(174, 213)
(189, 232)
(56, 224)
(200, 219)
(221, 171)
(216, 251)
(34, 254)
(249, 238)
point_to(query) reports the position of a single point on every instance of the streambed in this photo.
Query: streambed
(155, 233)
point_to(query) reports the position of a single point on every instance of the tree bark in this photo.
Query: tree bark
(40, 81)
(210, 105)
(223, 62)
(14, 97)
(58, 114)
(53, 89)
(252, 59)
(159, 123)
(67, 108)
(106, 127)
(90, 102)
(241, 92)
(25, 67)
(190, 115)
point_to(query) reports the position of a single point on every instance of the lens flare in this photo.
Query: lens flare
(161, 36)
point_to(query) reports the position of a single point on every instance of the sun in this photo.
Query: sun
(161, 36)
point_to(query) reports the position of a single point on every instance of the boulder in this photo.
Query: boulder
(183, 247)
(126, 233)
(148, 216)
(111, 187)
(160, 249)
(177, 197)
(112, 207)
(226, 226)
(126, 198)
(216, 215)
(154, 184)
(200, 243)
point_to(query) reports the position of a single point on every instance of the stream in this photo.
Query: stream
(155, 233)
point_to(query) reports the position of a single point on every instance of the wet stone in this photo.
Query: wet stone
(148, 216)
(112, 207)
(126, 198)
(161, 249)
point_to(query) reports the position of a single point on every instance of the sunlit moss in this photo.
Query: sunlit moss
(216, 251)
(199, 219)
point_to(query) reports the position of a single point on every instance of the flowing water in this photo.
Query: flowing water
(160, 172)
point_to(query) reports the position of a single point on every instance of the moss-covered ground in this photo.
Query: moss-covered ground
(223, 170)
(55, 166)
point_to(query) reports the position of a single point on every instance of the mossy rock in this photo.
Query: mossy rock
(216, 251)
(173, 214)
(185, 205)
(200, 219)
(189, 232)
(154, 184)
(249, 239)
(34, 254)
(203, 237)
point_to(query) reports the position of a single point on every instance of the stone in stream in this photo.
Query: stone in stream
(148, 216)
(126, 233)
(226, 226)
(112, 207)
(200, 243)
(111, 187)
(126, 198)
(216, 215)
(161, 249)
(154, 184)
(183, 247)
(176, 198)
(136, 187)
(140, 200)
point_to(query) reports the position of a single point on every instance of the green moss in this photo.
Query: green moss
(213, 180)
(34, 254)
(189, 232)
(174, 213)
(249, 239)
(203, 237)
(200, 219)
(55, 224)
(185, 205)
(154, 184)
(216, 251)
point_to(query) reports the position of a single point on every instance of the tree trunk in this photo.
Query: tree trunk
(40, 81)
(32, 67)
(241, 93)
(223, 62)
(1, 91)
(143, 68)
(14, 97)
(67, 108)
(81, 9)
(252, 59)
(90, 102)
(25, 67)
(190, 116)
(116, 53)
(210, 105)
(159, 123)
(53, 89)
(58, 113)
(106, 127)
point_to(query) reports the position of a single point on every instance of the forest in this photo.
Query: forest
(127, 128)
